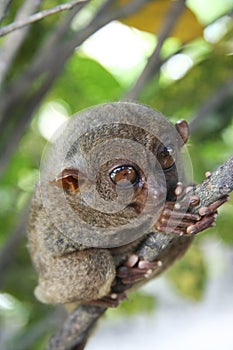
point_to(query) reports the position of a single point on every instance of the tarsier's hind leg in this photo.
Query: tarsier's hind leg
(82, 275)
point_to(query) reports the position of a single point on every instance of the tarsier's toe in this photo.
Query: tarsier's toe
(129, 273)
(111, 300)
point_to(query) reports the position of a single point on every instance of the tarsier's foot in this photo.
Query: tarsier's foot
(111, 300)
(173, 219)
(135, 269)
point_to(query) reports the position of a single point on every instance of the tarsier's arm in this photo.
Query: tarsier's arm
(107, 194)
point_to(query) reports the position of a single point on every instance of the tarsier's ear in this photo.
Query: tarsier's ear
(68, 180)
(183, 129)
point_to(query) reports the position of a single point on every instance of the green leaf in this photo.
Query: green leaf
(85, 83)
(189, 274)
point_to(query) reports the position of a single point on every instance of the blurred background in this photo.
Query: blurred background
(175, 56)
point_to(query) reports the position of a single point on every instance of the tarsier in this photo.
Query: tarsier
(114, 174)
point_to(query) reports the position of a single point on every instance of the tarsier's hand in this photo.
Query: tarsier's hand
(174, 220)
(179, 220)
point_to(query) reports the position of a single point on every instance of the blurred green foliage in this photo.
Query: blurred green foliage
(189, 274)
(85, 82)
(136, 302)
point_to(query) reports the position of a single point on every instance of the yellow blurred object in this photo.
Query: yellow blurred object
(150, 19)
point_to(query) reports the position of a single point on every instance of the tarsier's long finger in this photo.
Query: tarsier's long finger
(213, 207)
(208, 216)
(142, 269)
(167, 213)
(177, 222)
(203, 224)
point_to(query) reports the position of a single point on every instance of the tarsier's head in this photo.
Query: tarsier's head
(109, 171)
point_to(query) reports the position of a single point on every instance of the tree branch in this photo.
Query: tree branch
(4, 6)
(8, 252)
(18, 24)
(217, 185)
(75, 330)
(154, 61)
(77, 327)
(23, 96)
(13, 43)
(213, 103)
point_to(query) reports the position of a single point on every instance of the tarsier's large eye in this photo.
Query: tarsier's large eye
(166, 156)
(124, 176)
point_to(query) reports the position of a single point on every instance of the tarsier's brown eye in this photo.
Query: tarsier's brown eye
(124, 176)
(166, 156)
